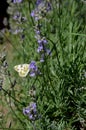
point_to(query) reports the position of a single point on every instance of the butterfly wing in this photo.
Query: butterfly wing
(22, 69)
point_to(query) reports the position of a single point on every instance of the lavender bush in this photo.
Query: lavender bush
(48, 89)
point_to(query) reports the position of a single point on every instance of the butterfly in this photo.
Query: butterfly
(22, 69)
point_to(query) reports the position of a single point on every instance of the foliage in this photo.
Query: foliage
(50, 34)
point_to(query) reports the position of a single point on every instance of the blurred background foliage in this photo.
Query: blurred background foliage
(61, 87)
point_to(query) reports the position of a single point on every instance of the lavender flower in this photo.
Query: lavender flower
(40, 11)
(33, 65)
(16, 15)
(48, 52)
(42, 41)
(48, 6)
(40, 48)
(26, 111)
(33, 106)
(38, 2)
(39, 41)
(33, 69)
(17, 1)
(31, 111)
(42, 8)
(33, 13)
(19, 18)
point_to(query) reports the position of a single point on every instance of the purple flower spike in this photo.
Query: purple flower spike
(31, 111)
(33, 69)
(33, 65)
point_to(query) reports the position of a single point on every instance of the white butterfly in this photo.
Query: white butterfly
(22, 69)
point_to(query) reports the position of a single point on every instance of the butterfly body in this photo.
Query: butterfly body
(22, 69)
